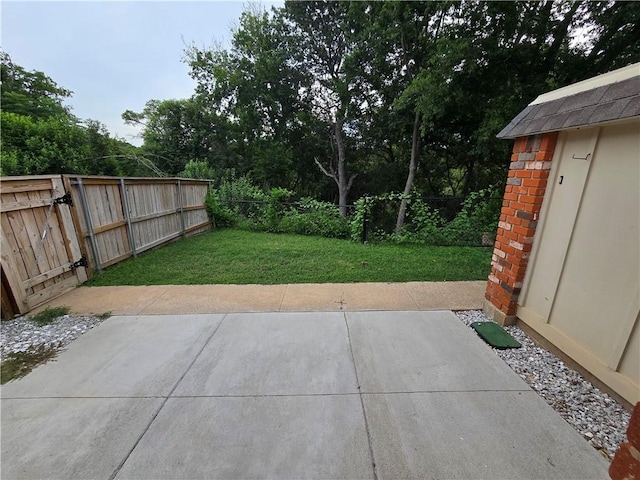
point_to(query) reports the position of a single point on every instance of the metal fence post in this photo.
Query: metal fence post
(87, 219)
(365, 221)
(127, 215)
(181, 207)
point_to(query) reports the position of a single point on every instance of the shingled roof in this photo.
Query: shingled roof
(609, 97)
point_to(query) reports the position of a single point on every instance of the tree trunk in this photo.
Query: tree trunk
(340, 177)
(344, 185)
(413, 166)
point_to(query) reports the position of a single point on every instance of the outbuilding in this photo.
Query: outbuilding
(566, 260)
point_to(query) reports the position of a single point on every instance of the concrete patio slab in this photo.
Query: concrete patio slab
(447, 295)
(479, 435)
(122, 357)
(312, 297)
(125, 300)
(274, 354)
(71, 438)
(347, 296)
(275, 395)
(217, 298)
(420, 352)
(289, 437)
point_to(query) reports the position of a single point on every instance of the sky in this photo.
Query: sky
(115, 55)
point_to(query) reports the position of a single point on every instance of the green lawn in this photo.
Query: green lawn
(242, 257)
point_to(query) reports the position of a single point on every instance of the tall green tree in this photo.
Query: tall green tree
(178, 131)
(41, 136)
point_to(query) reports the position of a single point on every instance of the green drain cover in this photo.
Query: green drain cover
(495, 335)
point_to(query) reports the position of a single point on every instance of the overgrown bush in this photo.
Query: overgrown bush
(220, 216)
(424, 224)
(316, 218)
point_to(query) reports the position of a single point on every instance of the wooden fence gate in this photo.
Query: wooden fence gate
(40, 253)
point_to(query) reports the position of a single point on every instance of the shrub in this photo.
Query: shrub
(315, 218)
(197, 169)
(219, 215)
(426, 225)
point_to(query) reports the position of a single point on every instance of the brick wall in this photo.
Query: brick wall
(626, 463)
(526, 184)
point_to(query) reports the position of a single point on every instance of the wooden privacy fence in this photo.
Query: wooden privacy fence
(56, 229)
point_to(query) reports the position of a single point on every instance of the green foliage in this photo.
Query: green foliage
(220, 216)
(275, 209)
(315, 218)
(41, 136)
(18, 364)
(31, 94)
(475, 222)
(197, 169)
(49, 315)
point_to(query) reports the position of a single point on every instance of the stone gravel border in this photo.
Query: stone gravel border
(597, 416)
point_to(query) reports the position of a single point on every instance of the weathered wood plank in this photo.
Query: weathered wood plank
(13, 206)
(51, 292)
(9, 270)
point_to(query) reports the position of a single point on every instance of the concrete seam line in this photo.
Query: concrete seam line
(284, 293)
(415, 303)
(155, 415)
(153, 300)
(364, 413)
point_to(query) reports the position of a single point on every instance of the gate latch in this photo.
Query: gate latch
(66, 198)
(80, 263)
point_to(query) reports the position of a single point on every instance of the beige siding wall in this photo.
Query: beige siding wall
(582, 288)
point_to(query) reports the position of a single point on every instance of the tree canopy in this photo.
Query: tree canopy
(334, 100)
(40, 135)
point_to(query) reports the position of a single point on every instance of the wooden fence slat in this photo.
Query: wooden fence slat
(9, 269)
(35, 203)
(111, 220)
(51, 292)
(47, 275)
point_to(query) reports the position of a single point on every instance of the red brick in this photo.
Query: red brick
(540, 174)
(511, 235)
(520, 145)
(548, 143)
(524, 173)
(527, 232)
(633, 431)
(625, 464)
(539, 192)
(527, 199)
(517, 205)
(508, 189)
(544, 156)
(510, 196)
(534, 182)
(511, 309)
(508, 211)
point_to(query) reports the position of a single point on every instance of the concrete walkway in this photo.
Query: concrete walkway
(392, 394)
(312, 297)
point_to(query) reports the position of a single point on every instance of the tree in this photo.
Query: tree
(324, 34)
(176, 131)
(255, 85)
(30, 93)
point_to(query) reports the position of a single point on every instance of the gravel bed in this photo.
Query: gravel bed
(22, 334)
(597, 416)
